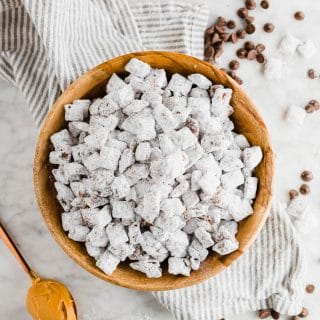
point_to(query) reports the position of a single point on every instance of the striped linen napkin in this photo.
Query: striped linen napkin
(47, 44)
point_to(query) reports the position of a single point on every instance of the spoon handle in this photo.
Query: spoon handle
(12, 247)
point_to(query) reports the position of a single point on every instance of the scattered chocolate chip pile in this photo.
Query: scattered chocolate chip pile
(304, 189)
(223, 31)
(252, 52)
(216, 36)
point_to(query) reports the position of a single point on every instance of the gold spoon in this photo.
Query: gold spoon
(46, 299)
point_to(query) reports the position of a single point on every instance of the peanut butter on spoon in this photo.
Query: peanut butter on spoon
(46, 299)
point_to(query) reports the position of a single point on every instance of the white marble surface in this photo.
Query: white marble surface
(297, 149)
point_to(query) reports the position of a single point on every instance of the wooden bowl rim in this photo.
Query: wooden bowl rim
(222, 263)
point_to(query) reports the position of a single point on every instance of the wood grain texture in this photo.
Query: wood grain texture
(247, 121)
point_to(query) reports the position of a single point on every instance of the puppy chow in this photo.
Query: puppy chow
(153, 172)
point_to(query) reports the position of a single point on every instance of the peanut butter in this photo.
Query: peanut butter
(49, 300)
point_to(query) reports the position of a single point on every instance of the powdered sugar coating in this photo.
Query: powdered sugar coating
(154, 172)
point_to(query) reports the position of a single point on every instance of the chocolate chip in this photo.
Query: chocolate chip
(238, 80)
(264, 4)
(310, 108)
(232, 74)
(250, 28)
(215, 38)
(218, 52)
(219, 29)
(264, 314)
(241, 34)
(260, 47)
(312, 74)
(249, 20)
(268, 27)
(242, 13)
(233, 37)
(221, 22)
(293, 194)
(275, 314)
(219, 44)
(315, 103)
(231, 24)
(252, 54)
(209, 52)
(207, 43)
(310, 288)
(209, 60)
(224, 36)
(304, 313)
(242, 53)
(248, 45)
(260, 58)
(207, 38)
(234, 65)
(306, 175)
(210, 30)
(299, 15)
(304, 189)
(295, 318)
(250, 4)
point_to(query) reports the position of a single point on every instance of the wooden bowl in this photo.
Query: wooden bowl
(92, 84)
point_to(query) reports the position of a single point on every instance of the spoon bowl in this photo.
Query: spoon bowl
(50, 299)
